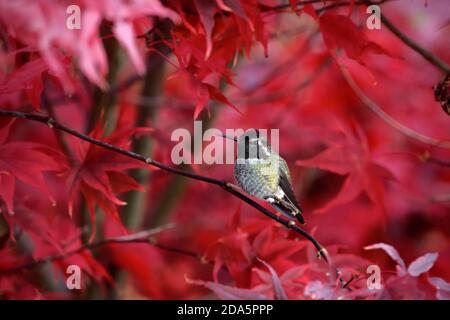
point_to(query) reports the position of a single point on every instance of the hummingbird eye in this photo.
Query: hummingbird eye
(251, 147)
(247, 147)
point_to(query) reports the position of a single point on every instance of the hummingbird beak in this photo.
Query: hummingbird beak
(227, 137)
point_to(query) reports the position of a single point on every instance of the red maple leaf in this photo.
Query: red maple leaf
(23, 161)
(238, 251)
(98, 173)
(51, 234)
(140, 260)
(27, 77)
(350, 156)
(340, 31)
(206, 45)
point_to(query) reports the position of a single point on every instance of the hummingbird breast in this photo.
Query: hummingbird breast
(257, 178)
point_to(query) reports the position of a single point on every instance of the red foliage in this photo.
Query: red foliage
(368, 177)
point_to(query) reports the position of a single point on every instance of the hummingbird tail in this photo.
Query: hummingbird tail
(300, 218)
(288, 211)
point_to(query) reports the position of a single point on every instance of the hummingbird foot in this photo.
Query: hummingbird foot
(270, 200)
(286, 208)
(293, 210)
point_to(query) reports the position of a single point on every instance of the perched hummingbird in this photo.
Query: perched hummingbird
(262, 173)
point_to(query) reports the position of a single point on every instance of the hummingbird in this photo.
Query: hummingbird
(263, 173)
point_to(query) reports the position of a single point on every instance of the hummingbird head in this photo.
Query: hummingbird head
(252, 145)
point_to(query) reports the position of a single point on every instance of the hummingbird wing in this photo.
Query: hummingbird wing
(285, 185)
(289, 203)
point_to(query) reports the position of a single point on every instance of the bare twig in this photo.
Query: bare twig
(58, 134)
(427, 55)
(145, 236)
(230, 188)
(437, 161)
(387, 118)
(344, 4)
(336, 4)
(43, 275)
(440, 198)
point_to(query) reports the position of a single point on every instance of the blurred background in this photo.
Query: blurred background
(136, 71)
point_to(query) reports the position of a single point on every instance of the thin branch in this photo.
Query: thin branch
(440, 162)
(280, 7)
(58, 134)
(427, 55)
(230, 188)
(125, 84)
(343, 4)
(437, 161)
(43, 275)
(440, 198)
(145, 236)
(284, 6)
(112, 91)
(387, 118)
